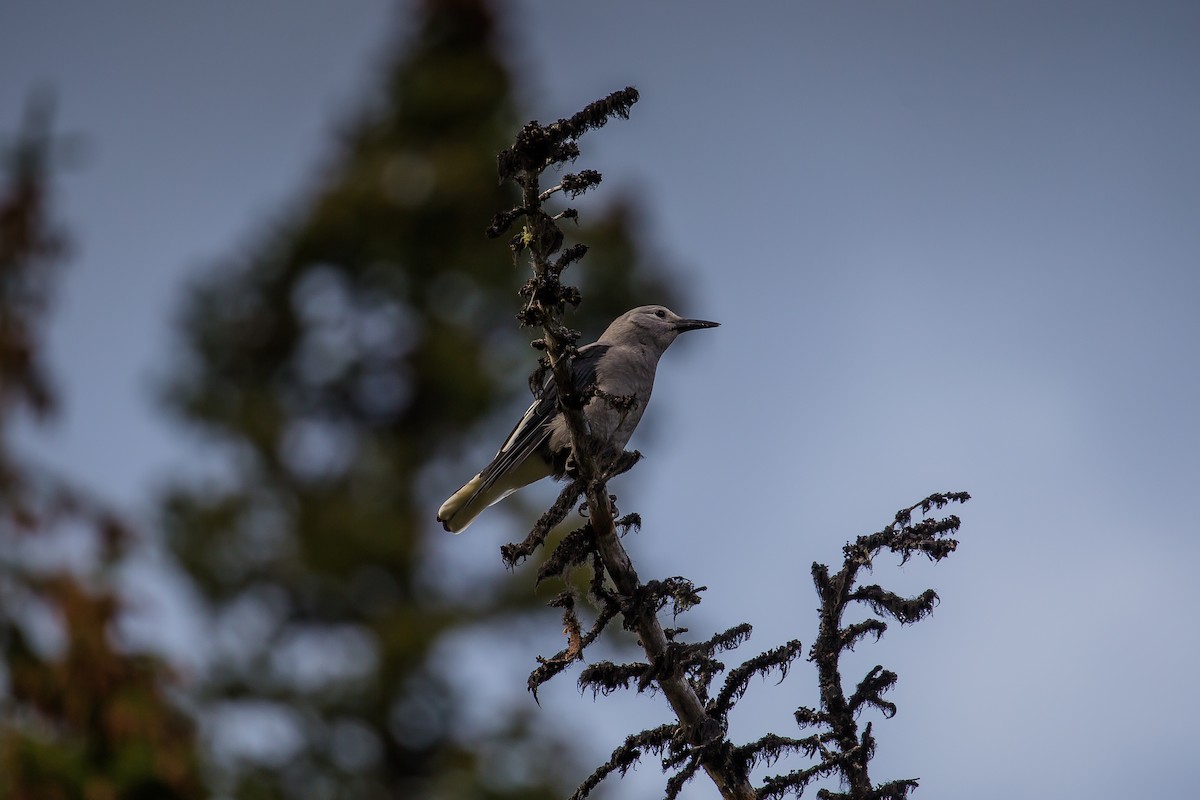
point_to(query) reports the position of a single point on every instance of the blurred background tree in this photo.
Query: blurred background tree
(79, 716)
(366, 339)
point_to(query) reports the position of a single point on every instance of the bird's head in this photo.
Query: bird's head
(656, 326)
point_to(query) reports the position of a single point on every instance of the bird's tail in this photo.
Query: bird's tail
(462, 507)
(486, 489)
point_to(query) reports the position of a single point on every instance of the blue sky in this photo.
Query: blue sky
(952, 246)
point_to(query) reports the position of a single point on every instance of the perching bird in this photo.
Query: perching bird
(621, 365)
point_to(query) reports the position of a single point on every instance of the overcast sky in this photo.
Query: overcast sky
(952, 245)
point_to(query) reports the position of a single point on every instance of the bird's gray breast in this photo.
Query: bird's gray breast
(626, 377)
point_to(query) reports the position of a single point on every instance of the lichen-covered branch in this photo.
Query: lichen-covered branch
(844, 748)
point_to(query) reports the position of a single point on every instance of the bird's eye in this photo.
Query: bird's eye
(660, 314)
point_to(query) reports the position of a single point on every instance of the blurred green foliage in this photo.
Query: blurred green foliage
(361, 345)
(79, 718)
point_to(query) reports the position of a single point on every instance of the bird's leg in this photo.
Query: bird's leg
(612, 506)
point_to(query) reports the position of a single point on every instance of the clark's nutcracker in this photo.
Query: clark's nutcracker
(621, 365)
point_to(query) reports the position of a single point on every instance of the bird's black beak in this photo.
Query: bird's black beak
(694, 324)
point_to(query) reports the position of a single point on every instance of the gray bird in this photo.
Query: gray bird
(621, 364)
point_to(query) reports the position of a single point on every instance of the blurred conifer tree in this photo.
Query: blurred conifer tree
(79, 717)
(367, 339)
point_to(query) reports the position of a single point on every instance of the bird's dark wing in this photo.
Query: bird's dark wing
(534, 429)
